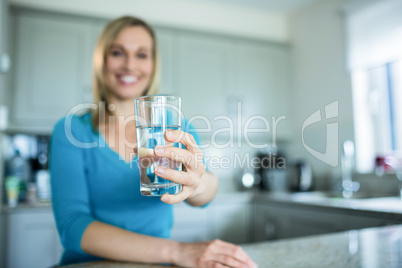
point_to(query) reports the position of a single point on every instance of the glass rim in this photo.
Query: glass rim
(152, 98)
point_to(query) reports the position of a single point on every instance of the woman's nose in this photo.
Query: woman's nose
(130, 63)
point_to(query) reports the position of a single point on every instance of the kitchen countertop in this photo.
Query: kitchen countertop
(390, 207)
(40, 206)
(373, 247)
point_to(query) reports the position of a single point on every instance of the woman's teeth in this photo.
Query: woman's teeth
(129, 79)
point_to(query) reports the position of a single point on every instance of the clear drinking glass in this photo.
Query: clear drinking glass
(155, 115)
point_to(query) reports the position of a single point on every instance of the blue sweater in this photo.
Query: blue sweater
(91, 182)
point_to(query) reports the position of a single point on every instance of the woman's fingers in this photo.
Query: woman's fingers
(147, 157)
(228, 249)
(177, 198)
(174, 153)
(229, 261)
(213, 264)
(181, 155)
(177, 176)
(183, 137)
(192, 161)
(214, 253)
(144, 152)
(229, 254)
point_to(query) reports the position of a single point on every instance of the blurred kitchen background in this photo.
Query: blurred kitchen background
(326, 75)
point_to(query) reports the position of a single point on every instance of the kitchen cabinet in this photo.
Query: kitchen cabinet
(52, 73)
(261, 85)
(204, 72)
(235, 84)
(96, 26)
(219, 220)
(167, 41)
(303, 222)
(191, 224)
(274, 221)
(232, 222)
(278, 221)
(32, 239)
(52, 67)
(268, 223)
(358, 222)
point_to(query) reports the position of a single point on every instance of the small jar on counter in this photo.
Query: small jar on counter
(32, 194)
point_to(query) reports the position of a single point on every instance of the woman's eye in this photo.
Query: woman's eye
(142, 55)
(116, 53)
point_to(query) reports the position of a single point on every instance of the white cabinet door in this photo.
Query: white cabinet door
(225, 221)
(167, 42)
(204, 64)
(190, 223)
(216, 75)
(53, 59)
(32, 240)
(96, 27)
(231, 222)
(261, 84)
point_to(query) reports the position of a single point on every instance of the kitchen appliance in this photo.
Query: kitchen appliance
(300, 176)
(272, 170)
(247, 179)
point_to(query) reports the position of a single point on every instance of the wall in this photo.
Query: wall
(2, 98)
(195, 14)
(2, 47)
(320, 77)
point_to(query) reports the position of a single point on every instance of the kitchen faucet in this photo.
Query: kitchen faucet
(347, 162)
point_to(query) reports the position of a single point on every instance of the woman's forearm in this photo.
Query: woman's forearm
(110, 242)
(205, 191)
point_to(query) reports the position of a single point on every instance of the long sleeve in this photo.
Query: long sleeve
(70, 197)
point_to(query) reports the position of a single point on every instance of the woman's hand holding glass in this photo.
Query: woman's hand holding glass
(215, 253)
(193, 166)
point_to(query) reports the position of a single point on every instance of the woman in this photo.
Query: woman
(99, 211)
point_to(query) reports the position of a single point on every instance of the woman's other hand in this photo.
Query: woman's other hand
(191, 158)
(214, 253)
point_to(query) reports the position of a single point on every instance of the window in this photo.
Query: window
(374, 42)
(377, 95)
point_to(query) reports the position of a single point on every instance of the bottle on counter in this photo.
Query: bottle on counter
(20, 169)
(12, 189)
(42, 176)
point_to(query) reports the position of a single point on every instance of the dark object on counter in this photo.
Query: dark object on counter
(300, 176)
(272, 171)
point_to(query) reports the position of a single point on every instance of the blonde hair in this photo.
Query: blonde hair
(109, 34)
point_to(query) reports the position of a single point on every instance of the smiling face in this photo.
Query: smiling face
(129, 63)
